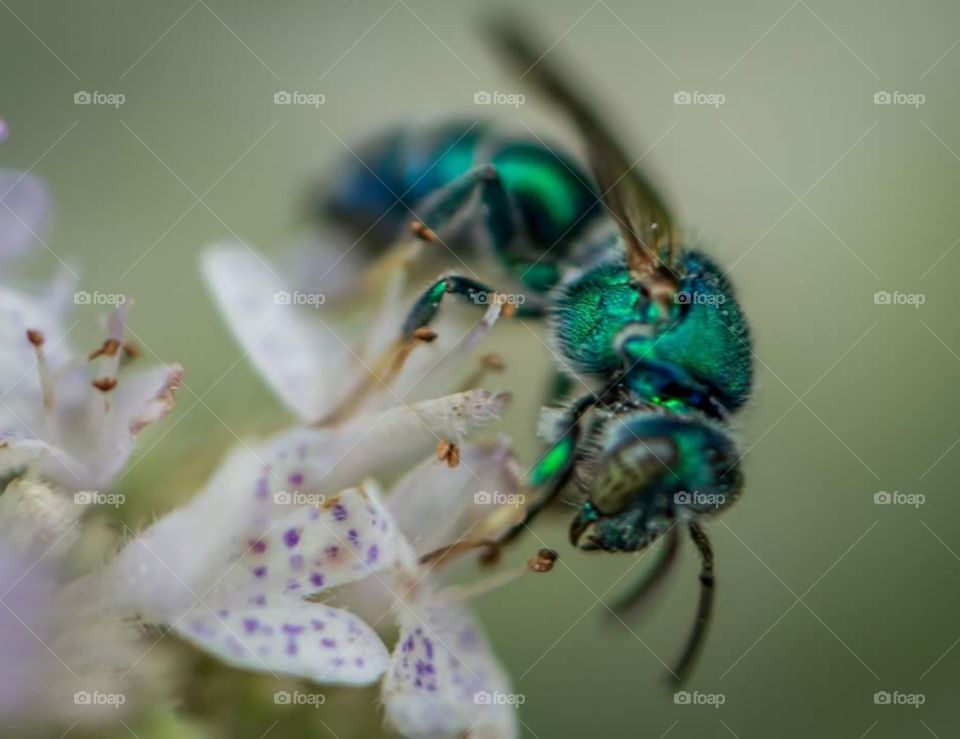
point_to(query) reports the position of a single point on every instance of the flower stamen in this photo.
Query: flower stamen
(489, 363)
(541, 563)
(383, 372)
(37, 340)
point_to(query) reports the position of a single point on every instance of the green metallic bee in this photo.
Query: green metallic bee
(653, 327)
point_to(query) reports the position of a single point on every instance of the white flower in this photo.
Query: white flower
(239, 569)
(74, 417)
(57, 643)
(65, 422)
(24, 212)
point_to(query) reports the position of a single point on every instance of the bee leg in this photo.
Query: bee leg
(461, 203)
(551, 472)
(480, 197)
(560, 387)
(705, 609)
(425, 308)
(641, 592)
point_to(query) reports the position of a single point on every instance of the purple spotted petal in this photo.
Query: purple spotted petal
(307, 549)
(291, 637)
(301, 464)
(444, 680)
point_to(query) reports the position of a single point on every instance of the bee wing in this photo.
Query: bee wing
(642, 215)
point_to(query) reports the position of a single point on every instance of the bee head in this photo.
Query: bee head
(651, 470)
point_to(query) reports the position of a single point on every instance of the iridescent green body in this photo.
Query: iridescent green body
(701, 351)
(535, 214)
(548, 200)
(652, 330)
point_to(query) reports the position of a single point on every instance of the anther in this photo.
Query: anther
(544, 561)
(422, 231)
(35, 337)
(109, 348)
(493, 362)
(425, 334)
(105, 384)
(448, 452)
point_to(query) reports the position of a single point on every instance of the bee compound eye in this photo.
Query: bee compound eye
(628, 471)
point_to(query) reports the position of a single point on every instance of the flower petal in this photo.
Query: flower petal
(169, 565)
(138, 400)
(24, 211)
(325, 262)
(305, 364)
(326, 460)
(435, 505)
(252, 529)
(311, 548)
(293, 637)
(439, 368)
(448, 417)
(28, 586)
(443, 679)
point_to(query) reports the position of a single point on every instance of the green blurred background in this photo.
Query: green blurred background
(817, 196)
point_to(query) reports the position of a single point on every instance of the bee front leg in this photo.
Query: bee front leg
(475, 197)
(551, 472)
(641, 592)
(705, 609)
(427, 306)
